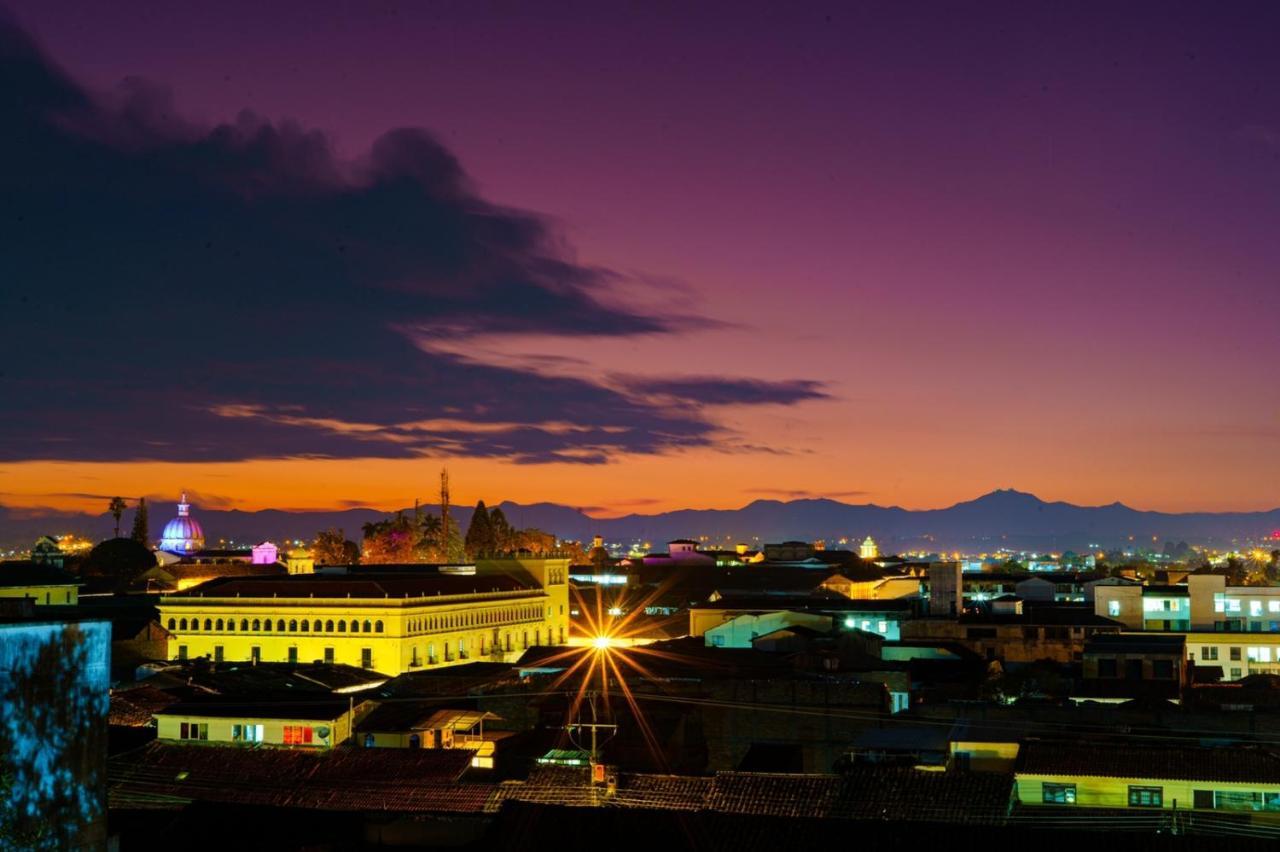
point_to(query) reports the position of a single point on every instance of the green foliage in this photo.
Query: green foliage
(480, 539)
(141, 524)
(503, 534)
(116, 507)
(121, 560)
(332, 547)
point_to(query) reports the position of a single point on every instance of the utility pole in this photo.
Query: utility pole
(595, 726)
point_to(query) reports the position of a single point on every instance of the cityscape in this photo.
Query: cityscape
(720, 426)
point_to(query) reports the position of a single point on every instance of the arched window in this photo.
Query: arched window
(355, 626)
(217, 625)
(266, 625)
(208, 624)
(342, 626)
(368, 626)
(328, 627)
(378, 627)
(182, 625)
(306, 626)
(231, 625)
(293, 626)
(173, 624)
(244, 624)
(318, 627)
(280, 626)
(257, 625)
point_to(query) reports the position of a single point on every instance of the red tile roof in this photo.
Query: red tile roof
(1120, 760)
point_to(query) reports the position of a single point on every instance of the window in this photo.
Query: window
(355, 627)
(255, 654)
(217, 653)
(328, 627)
(193, 731)
(266, 626)
(1273, 606)
(1202, 799)
(1233, 605)
(246, 733)
(244, 624)
(1209, 652)
(280, 626)
(208, 624)
(297, 734)
(431, 653)
(218, 624)
(368, 626)
(306, 626)
(1255, 608)
(1113, 608)
(231, 625)
(717, 640)
(1058, 794)
(182, 652)
(1259, 654)
(173, 624)
(1236, 674)
(1237, 800)
(182, 625)
(293, 654)
(342, 626)
(257, 625)
(1235, 653)
(1146, 797)
(366, 658)
(377, 627)
(328, 656)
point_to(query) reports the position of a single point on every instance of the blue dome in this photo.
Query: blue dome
(183, 534)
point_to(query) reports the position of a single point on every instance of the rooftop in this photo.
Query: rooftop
(22, 573)
(364, 586)
(1121, 760)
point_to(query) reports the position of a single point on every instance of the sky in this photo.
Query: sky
(634, 257)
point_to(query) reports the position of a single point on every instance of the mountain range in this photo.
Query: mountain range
(1004, 518)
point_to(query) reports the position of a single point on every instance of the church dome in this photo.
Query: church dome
(183, 534)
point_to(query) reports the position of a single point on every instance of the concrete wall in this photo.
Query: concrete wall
(170, 728)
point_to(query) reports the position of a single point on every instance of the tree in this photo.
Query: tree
(116, 507)
(332, 547)
(503, 534)
(119, 560)
(394, 540)
(480, 541)
(141, 525)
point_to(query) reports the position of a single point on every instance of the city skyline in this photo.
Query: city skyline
(778, 255)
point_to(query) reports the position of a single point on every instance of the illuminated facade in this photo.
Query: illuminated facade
(183, 534)
(869, 549)
(389, 622)
(41, 584)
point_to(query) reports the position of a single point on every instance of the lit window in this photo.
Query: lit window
(1233, 605)
(1146, 797)
(882, 626)
(1113, 608)
(1255, 608)
(1273, 606)
(1219, 605)
(1059, 794)
(297, 734)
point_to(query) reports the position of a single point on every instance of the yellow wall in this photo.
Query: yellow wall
(492, 626)
(1093, 792)
(44, 595)
(170, 728)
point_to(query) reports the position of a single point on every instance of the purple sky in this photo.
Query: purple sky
(1019, 244)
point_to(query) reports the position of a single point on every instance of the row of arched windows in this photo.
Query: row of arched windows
(484, 618)
(259, 625)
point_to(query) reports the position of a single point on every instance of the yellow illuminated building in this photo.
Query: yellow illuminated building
(42, 584)
(869, 549)
(391, 622)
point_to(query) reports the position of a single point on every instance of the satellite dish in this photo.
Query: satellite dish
(322, 732)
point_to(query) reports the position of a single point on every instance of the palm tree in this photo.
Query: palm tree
(116, 507)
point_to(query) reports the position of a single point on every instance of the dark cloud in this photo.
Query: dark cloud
(802, 494)
(215, 293)
(711, 390)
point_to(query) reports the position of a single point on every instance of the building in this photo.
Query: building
(1056, 632)
(315, 724)
(391, 622)
(42, 584)
(884, 617)
(182, 535)
(1067, 775)
(869, 550)
(1122, 666)
(1205, 603)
